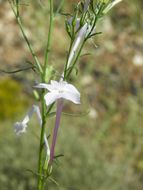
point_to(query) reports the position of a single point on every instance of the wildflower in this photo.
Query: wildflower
(57, 92)
(20, 127)
(60, 90)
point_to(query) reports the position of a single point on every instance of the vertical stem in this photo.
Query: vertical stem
(48, 46)
(40, 161)
(67, 60)
(57, 124)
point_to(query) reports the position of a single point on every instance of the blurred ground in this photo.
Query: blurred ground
(103, 149)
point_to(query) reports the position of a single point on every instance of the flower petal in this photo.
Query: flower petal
(73, 97)
(72, 94)
(51, 97)
(71, 89)
(54, 83)
(49, 87)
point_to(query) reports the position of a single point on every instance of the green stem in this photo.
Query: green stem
(29, 45)
(65, 69)
(48, 46)
(18, 19)
(40, 160)
(41, 180)
(96, 19)
(60, 6)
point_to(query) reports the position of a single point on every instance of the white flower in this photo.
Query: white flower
(59, 90)
(20, 127)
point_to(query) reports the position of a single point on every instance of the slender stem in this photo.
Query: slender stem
(60, 6)
(70, 48)
(43, 78)
(40, 160)
(48, 46)
(18, 19)
(29, 45)
(96, 18)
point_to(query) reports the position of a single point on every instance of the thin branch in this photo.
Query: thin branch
(16, 71)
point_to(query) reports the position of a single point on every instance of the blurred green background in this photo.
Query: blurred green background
(102, 150)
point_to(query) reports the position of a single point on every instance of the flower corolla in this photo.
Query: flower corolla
(60, 90)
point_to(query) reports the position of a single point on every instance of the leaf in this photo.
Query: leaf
(53, 180)
(16, 71)
(76, 115)
(52, 114)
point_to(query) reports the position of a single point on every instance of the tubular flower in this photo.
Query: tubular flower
(57, 92)
(60, 90)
